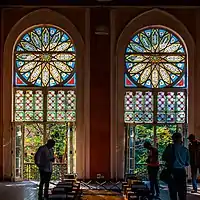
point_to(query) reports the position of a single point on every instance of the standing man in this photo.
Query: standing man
(153, 168)
(44, 158)
(194, 149)
(177, 157)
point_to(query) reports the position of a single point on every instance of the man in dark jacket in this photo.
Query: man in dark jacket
(44, 158)
(194, 149)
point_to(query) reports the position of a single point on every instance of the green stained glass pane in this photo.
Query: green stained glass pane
(51, 115)
(19, 115)
(51, 100)
(29, 100)
(38, 115)
(71, 100)
(38, 100)
(61, 102)
(128, 117)
(180, 117)
(19, 100)
(70, 116)
(61, 116)
(29, 116)
(148, 117)
(139, 117)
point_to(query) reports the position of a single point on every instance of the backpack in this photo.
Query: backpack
(36, 161)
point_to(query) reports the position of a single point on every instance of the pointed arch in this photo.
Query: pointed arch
(154, 17)
(32, 19)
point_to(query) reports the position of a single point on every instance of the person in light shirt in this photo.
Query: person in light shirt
(177, 156)
(44, 158)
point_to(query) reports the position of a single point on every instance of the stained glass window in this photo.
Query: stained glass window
(28, 105)
(45, 56)
(155, 93)
(155, 58)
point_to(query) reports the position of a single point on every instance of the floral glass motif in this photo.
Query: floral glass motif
(155, 58)
(28, 105)
(61, 106)
(45, 56)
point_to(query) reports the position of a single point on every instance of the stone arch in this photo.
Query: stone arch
(147, 19)
(33, 19)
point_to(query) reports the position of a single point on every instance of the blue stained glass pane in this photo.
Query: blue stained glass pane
(128, 50)
(38, 31)
(71, 64)
(161, 32)
(181, 50)
(173, 77)
(161, 118)
(64, 38)
(38, 82)
(19, 63)
(136, 77)
(64, 75)
(148, 84)
(129, 65)
(174, 39)
(136, 39)
(52, 31)
(26, 75)
(27, 38)
(19, 48)
(148, 32)
(180, 65)
(52, 82)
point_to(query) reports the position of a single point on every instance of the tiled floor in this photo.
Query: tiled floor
(28, 191)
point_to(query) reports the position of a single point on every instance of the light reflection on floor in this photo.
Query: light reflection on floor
(28, 191)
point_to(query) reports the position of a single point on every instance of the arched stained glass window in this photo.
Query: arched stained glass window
(45, 56)
(155, 92)
(155, 58)
(45, 97)
(45, 61)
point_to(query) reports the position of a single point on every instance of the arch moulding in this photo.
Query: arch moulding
(42, 16)
(149, 18)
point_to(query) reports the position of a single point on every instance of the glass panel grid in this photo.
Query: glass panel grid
(28, 105)
(61, 106)
(138, 107)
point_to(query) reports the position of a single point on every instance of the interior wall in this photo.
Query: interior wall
(100, 69)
